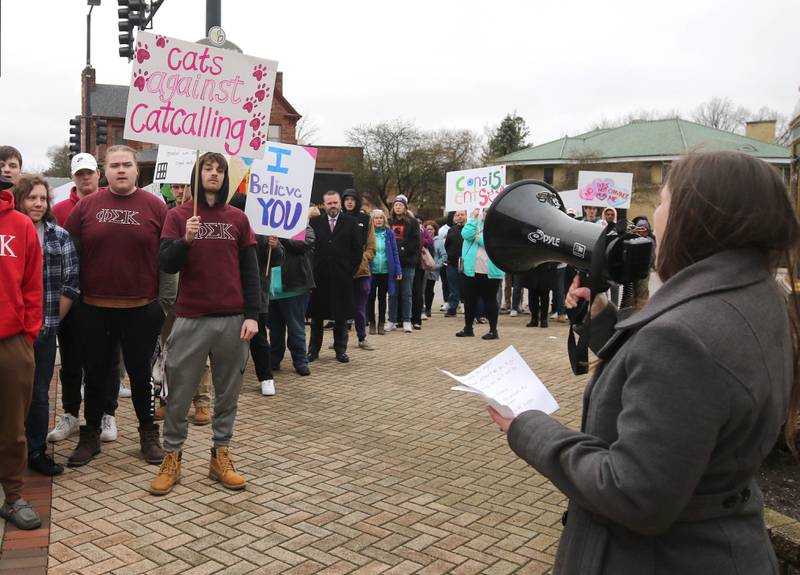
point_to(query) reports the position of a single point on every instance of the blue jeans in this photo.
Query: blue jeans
(38, 419)
(404, 291)
(559, 294)
(454, 285)
(288, 315)
(516, 290)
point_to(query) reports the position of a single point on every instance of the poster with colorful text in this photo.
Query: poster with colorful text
(605, 189)
(476, 188)
(279, 190)
(194, 96)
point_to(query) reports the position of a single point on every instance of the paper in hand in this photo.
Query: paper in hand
(507, 384)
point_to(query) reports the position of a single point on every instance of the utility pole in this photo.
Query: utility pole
(213, 15)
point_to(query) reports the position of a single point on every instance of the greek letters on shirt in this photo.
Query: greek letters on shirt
(215, 231)
(5, 246)
(112, 216)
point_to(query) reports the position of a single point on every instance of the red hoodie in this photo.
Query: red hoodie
(63, 209)
(20, 273)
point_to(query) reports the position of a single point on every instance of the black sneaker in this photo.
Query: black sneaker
(303, 370)
(490, 335)
(465, 333)
(44, 464)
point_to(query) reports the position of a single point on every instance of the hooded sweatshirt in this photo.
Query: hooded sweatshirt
(218, 270)
(367, 232)
(20, 273)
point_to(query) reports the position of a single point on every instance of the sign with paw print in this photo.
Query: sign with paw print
(200, 97)
(605, 189)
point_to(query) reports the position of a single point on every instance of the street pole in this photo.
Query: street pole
(213, 15)
(87, 120)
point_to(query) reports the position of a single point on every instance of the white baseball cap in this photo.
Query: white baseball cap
(83, 161)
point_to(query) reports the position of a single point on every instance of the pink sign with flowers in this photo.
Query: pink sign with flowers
(605, 189)
(200, 97)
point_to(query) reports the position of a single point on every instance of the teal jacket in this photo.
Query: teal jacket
(473, 237)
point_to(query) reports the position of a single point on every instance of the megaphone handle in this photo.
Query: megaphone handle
(578, 313)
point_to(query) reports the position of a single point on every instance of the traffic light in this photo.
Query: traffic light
(74, 136)
(101, 131)
(132, 15)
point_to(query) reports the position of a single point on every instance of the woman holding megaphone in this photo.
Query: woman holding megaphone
(689, 394)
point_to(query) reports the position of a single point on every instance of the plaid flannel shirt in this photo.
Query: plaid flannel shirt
(59, 273)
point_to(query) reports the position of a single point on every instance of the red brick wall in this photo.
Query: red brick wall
(337, 158)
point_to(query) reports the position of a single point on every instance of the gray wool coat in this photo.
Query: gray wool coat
(688, 401)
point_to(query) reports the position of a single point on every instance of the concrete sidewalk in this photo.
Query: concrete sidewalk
(370, 467)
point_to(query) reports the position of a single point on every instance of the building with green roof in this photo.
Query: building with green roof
(645, 148)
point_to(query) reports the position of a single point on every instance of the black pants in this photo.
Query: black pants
(429, 287)
(417, 296)
(379, 289)
(339, 336)
(71, 372)
(259, 350)
(445, 286)
(539, 303)
(480, 287)
(136, 331)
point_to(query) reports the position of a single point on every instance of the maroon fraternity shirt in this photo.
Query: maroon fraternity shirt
(209, 282)
(119, 238)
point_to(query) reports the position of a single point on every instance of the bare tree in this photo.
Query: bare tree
(306, 130)
(399, 158)
(722, 114)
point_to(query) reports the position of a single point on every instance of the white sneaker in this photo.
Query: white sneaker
(124, 391)
(553, 316)
(108, 428)
(268, 387)
(155, 372)
(443, 307)
(461, 308)
(389, 326)
(407, 327)
(513, 313)
(66, 425)
(424, 316)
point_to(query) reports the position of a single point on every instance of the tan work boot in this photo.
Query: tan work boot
(202, 415)
(221, 469)
(169, 475)
(160, 413)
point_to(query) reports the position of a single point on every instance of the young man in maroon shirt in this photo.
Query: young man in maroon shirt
(217, 311)
(86, 177)
(117, 232)
(20, 320)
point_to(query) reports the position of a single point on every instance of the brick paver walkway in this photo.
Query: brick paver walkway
(371, 467)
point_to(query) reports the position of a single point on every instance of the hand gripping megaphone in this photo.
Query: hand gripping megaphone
(527, 226)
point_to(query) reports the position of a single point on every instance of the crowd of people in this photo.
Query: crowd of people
(183, 293)
(176, 294)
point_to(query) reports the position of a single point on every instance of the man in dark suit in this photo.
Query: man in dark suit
(337, 255)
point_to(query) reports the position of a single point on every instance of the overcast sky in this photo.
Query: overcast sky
(561, 64)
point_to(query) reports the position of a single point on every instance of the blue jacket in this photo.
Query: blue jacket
(392, 260)
(439, 257)
(473, 237)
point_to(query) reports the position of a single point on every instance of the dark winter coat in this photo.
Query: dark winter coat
(688, 402)
(407, 233)
(297, 269)
(337, 256)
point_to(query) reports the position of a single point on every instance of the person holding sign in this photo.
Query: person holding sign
(217, 311)
(337, 257)
(116, 232)
(691, 391)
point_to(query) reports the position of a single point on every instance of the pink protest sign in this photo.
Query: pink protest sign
(200, 97)
(605, 189)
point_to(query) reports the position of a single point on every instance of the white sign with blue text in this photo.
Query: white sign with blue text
(279, 190)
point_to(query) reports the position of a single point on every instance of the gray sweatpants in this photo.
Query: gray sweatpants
(191, 341)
